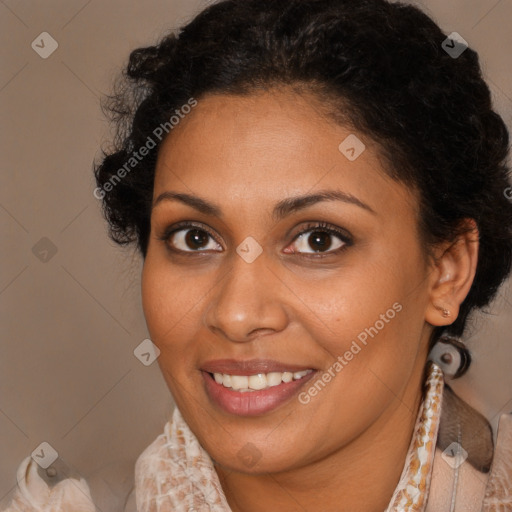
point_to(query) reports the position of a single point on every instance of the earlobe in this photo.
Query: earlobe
(453, 273)
(444, 311)
(441, 314)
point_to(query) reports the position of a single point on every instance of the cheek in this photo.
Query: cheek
(165, 304)
(163, 299)
(172, 299)
(372, 311)
(153, 301)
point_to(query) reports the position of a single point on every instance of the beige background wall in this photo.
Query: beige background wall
(69, 325)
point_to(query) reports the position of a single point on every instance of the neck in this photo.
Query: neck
(359, 477)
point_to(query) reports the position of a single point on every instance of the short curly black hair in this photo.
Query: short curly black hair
(379, 66)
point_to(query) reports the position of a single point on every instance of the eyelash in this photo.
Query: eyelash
(310, 227)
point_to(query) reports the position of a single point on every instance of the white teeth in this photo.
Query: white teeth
(245, 383)
(274, 378)
(287, 376)
(238, 381)
(258, 381)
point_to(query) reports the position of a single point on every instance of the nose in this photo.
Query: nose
(247, 303)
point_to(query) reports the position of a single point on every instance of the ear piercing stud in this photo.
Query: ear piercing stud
(445, 312)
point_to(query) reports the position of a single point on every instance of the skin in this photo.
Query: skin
(347, 446)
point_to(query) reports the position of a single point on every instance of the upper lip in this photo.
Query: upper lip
(250, 366)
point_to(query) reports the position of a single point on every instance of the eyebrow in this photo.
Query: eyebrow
(281, 209)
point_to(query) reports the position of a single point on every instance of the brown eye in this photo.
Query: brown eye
(319, 241)
(191, 239)
(196, 239)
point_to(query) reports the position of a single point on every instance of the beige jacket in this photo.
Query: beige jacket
(467, 490)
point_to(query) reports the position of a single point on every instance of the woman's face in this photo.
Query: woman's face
(267, 281)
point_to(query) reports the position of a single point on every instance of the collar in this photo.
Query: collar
(411, 493)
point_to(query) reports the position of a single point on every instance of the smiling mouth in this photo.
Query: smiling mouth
(257, 382)
(253, 387)
(258, 393)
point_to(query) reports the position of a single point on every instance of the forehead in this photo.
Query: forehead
(262, 147)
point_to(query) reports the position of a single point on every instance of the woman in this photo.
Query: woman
(318, 190)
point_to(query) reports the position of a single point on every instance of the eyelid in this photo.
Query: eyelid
(184, 226)
(321, 226)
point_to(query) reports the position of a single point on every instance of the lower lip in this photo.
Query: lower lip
(252, 403)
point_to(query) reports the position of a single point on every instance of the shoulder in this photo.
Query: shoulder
(499, 488)
(35, 492)
(451, 481)
(471, 490)
(65, 490)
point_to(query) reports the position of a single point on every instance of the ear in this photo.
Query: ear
(453, 272)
